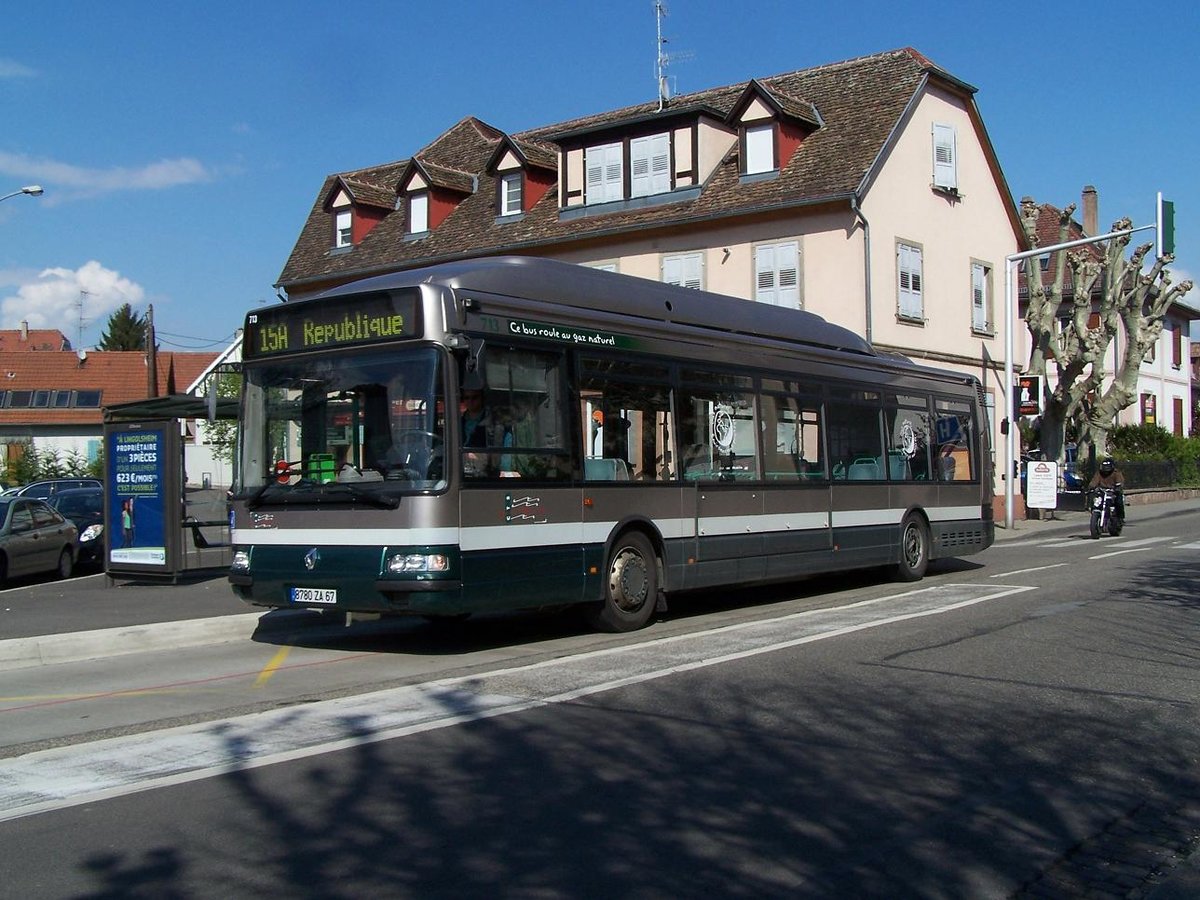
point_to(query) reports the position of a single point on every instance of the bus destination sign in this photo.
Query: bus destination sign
(325, 325)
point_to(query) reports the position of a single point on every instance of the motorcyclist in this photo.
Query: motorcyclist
(1109, 476)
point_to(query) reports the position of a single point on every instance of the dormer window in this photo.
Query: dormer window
(760, 149)
(511, 187)
(343, 228)
(418, 213)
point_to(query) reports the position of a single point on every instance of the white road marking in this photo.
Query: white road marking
(69, 776)
(1024, 571)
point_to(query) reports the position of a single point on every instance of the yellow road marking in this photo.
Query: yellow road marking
(276, 661)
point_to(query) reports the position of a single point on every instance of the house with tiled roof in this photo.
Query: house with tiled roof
(866, 191)
(26, 338)
(1164, 384)
(54, 399)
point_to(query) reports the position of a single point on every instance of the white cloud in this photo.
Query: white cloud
(51, 298)
(68, 181)
(10, 68)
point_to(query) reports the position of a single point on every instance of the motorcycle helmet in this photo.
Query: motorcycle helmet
(1107, 466)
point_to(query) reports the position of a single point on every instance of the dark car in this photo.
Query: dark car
(85, 507)
(48, 487)
(34, 538)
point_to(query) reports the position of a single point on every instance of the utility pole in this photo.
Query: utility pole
(151, 355)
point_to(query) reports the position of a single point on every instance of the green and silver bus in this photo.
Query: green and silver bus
(520, 433)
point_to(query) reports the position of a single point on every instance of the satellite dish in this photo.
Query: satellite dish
(82, 354)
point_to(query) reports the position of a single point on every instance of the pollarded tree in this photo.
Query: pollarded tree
(1110, 296)
(126, 331)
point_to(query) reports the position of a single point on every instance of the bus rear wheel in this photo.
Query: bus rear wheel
(630, 586)
(914, 549)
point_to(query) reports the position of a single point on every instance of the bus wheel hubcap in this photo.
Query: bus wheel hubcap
(628, 580)
(912, 545)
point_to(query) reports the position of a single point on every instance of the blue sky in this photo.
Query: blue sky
(181, 145)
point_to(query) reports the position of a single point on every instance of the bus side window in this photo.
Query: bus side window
(624, 412)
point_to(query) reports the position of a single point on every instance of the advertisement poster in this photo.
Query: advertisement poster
(136, 467)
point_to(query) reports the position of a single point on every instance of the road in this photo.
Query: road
(1020, 723)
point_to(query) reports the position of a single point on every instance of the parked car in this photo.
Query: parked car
(34, 538)
(85, 507)
(47, 488)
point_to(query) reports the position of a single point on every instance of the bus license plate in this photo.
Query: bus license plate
(313, 595)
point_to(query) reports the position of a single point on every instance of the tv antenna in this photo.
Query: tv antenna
(663, 58)
(83, 295)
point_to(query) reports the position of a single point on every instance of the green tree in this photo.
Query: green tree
(126, 331)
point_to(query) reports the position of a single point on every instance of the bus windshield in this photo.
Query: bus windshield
(344, 426)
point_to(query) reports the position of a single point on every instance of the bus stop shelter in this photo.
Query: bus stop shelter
(155, 526)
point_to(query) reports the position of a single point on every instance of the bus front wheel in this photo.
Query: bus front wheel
(914, 549)
(630, 586)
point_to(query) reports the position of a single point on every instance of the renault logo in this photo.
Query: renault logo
(310, 559)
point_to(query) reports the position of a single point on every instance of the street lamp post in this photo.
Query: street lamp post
(33, 190)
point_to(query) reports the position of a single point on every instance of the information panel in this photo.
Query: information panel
(327, 324)
(1041, 479)
(137, 493)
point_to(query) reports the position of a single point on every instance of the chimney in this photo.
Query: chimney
(1091, 211)
(24, 330)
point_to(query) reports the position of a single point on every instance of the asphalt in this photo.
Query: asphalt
(93, 616)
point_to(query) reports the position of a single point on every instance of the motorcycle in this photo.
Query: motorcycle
(1104, 512)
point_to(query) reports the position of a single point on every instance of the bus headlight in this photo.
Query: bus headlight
(409, 563)
(240, 561)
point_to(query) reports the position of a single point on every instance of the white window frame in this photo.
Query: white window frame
(650, 165)
(760, 149)
(684, 269)
(981, 298)
(343, 227)
(605, 167)
(418, 212)
(512, 194)
(910, 281)
(945, 157)
(777, 274)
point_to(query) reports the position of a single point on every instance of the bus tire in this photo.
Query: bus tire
(914, 549)
(630, 586)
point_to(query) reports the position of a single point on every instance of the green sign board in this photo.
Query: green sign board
(569, 334)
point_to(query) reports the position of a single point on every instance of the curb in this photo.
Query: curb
(52, 649)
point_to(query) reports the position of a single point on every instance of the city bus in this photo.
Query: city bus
(521, 433)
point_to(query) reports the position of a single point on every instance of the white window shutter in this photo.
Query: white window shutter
(605, 175)
(639, 167)
(343, 229)
(660, 164)
(978, 297)
(685, 270)
(418, 213)
(649, 165)
(777, 274)
(908, 266)
(945, 157)
(760, 149)
(764, 273)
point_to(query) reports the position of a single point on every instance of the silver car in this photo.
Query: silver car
(34, 538)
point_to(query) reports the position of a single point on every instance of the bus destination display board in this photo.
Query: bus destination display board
(329, 324)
